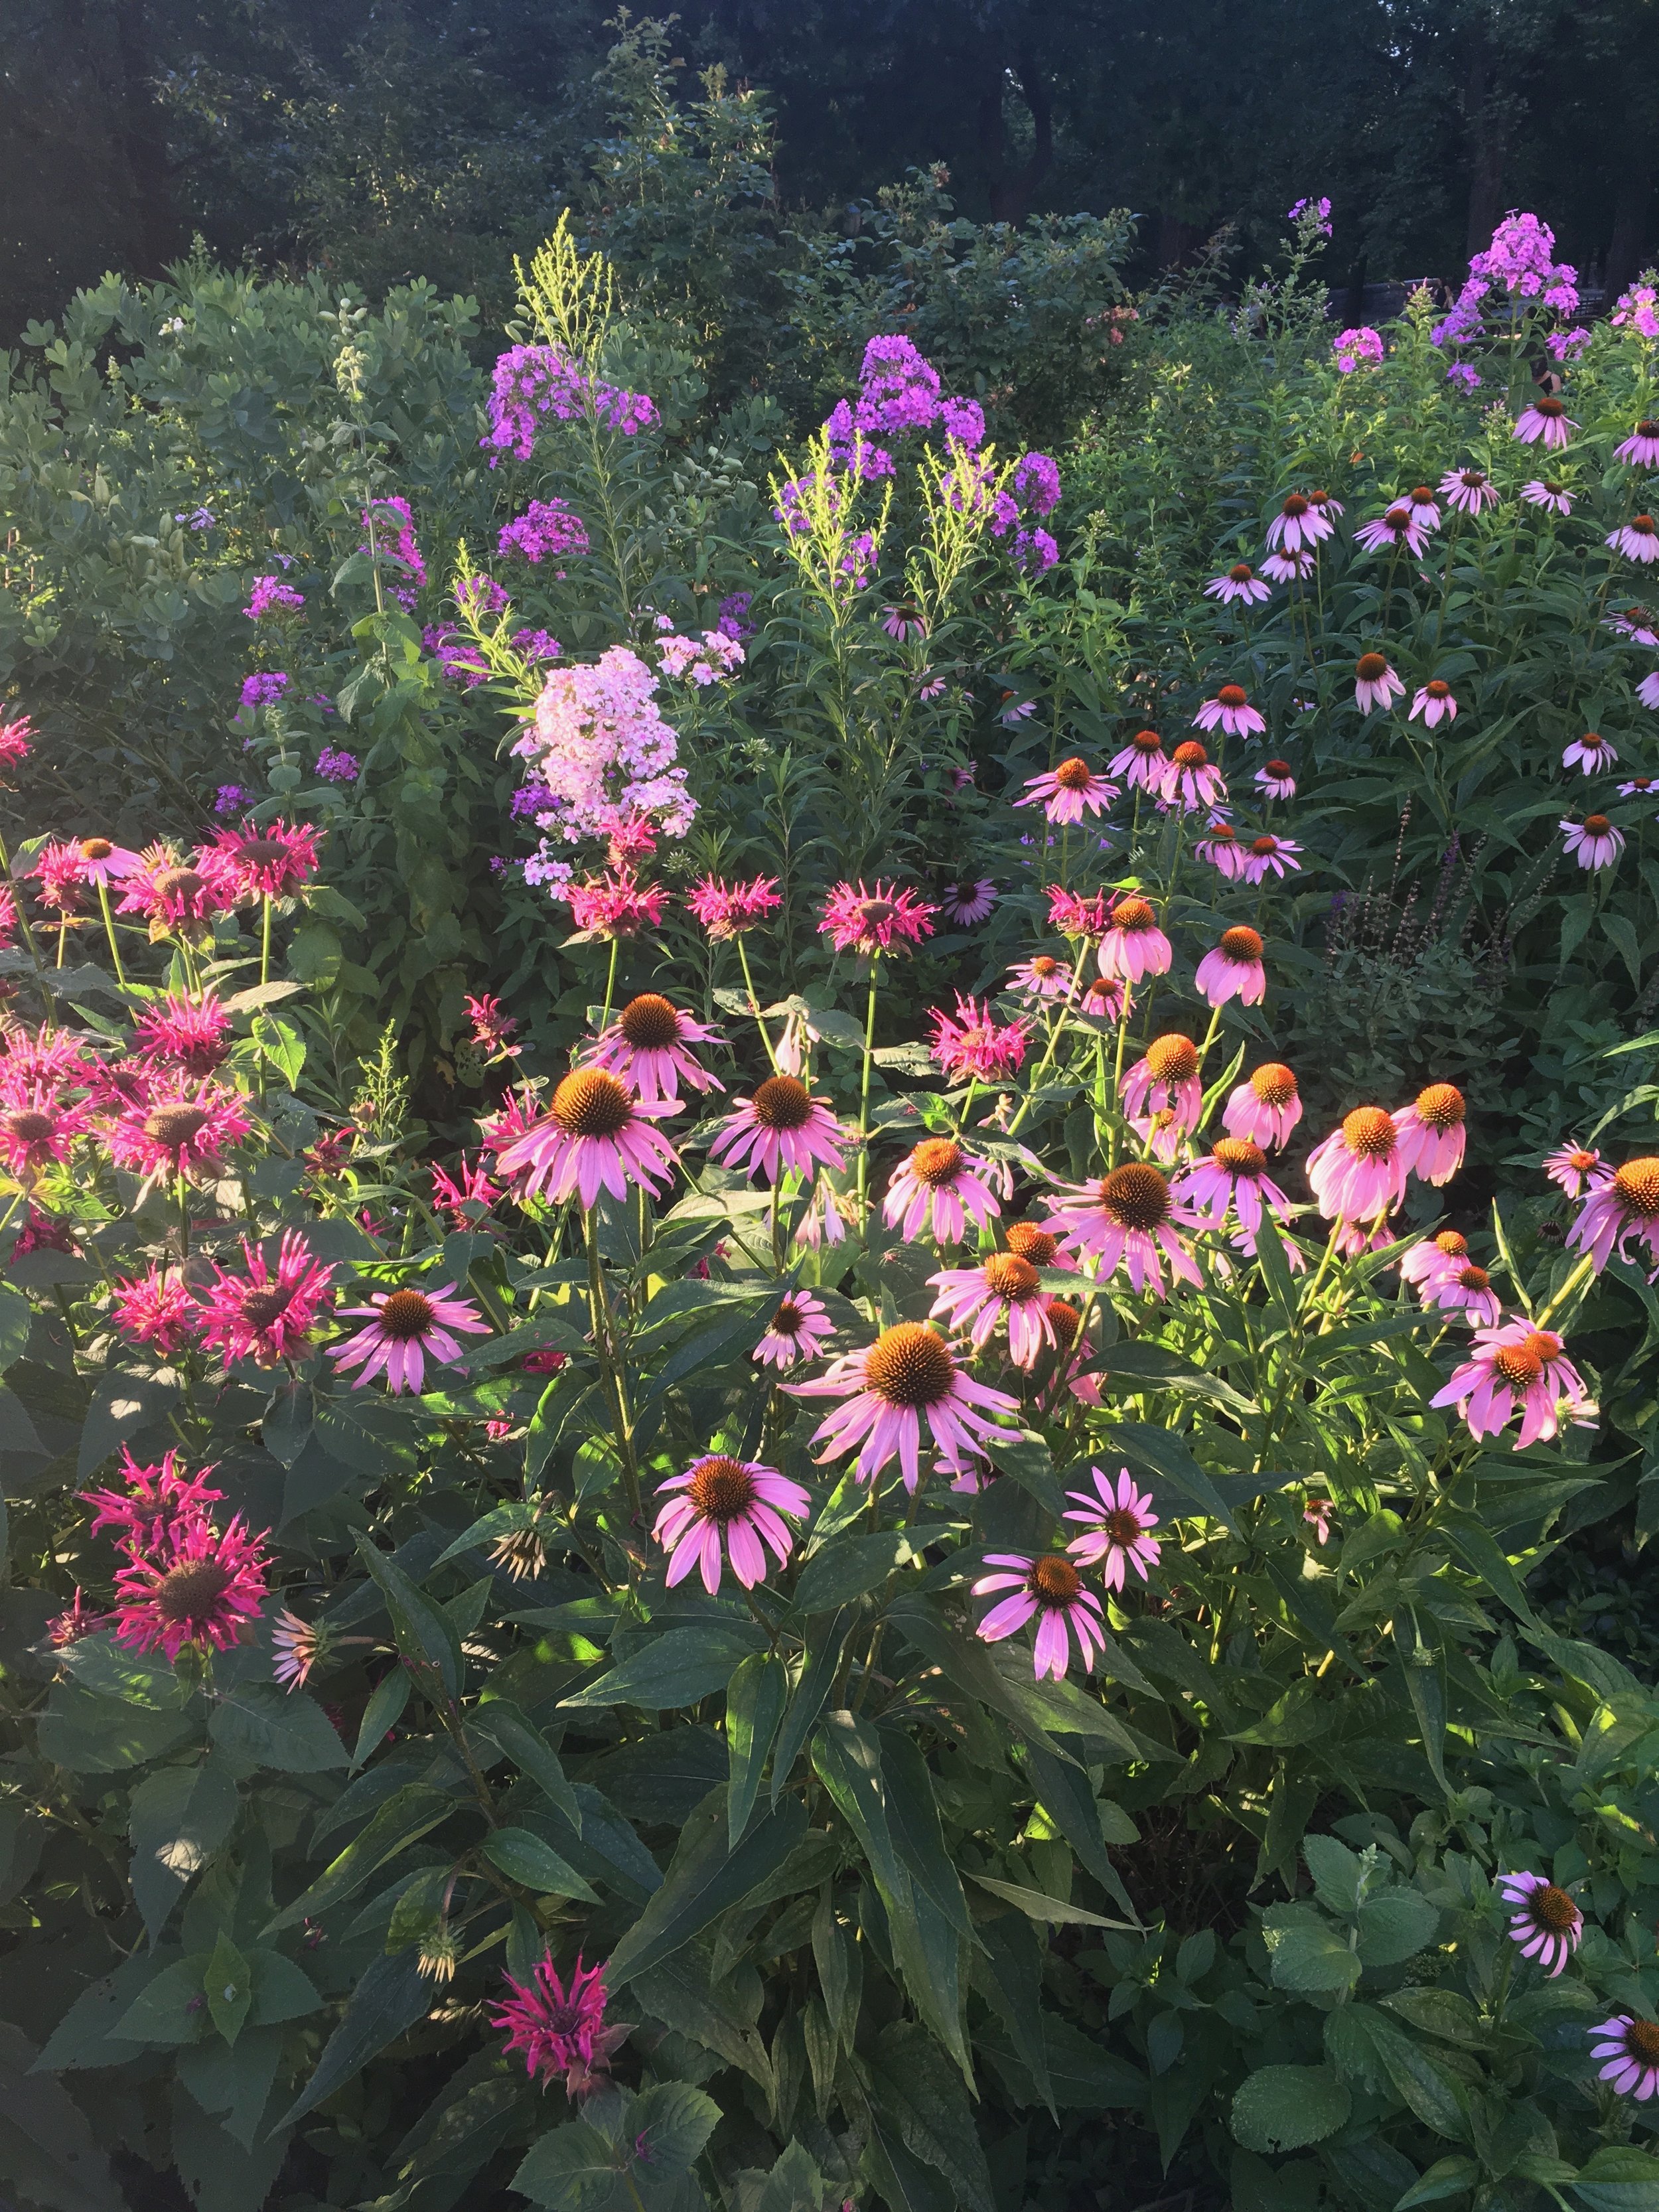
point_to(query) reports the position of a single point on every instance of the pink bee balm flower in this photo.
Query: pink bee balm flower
(1637, 539)
(1517, 1363)
(781, 1130)
(1594, 842)
(180, 1132)
(155, 1310)
(1546, 420)
(646, 1046)
(1065, 791)
(1358, 1172)
(95, 860)
(1465, 1289)
(1435, 1257)
(968, 901)
(1266, 1106)
(887, 1387)
(58, 882)
(157, 1499)
(1003, 1287)
(1220, 848)
(1078, 917)
(1116, 1524)
(1165, 1078)
(264, 1316)
(611, 907)
(1641, 448)
(15, 740)
(406, 1327)
(594, 1136)
(1592, 752)
(1628, 2055)
(1547, 1925)
(1544, 492)
(1051, 1588)
(193, 1035)
(465, 1200)
(1397, 529)
(735, 1502)
(868, 922)
(1041, 977)
(939, 1188)
(75, 1621)
(1432, 1132)
(1269, 855)
(273, 860)
(1620, 1207)
(1127, 1219)
(1232, 711)
(1467, 491)
(1142, 763)
(795, 1331)
(1376, 685)
(1275, 779)
(201, 1585)
(1240, 583)
(560, 2030)
(1300, 523)
(1233, 1178)
(1434, 703)
(37, 1130)
(492, 1030)
(175, 895)
(1574, 1170)
(1133, 945)
(1233, 970)
(974, 1046)
(726, 910)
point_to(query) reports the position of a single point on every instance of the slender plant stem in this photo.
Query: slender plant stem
(109, 932)
(863, 1086)
(605, 1345)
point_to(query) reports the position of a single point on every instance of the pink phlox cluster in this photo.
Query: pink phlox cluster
(1315, 213)
(599, 744)
(548, 530)
(393, 512)
(1521, 261)
(269, 592)
(531, 380)
(1361, 348)
(265, 689)
(703, 659)
(1562, 345)
(1637, 310)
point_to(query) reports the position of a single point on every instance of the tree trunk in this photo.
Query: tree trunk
(1486, 139)
(1011, 196)
(1627, 251)
(143, 141)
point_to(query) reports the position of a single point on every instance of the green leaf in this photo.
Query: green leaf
(1336, 1872)
(794, 2184)
(526, 1858)
(413, 1812)
(1486, 1559)
(848, 1567)
(228, 1980)
(280, 1728)
(706, 1879)
(170, 2009)
(574, 2168)
(122, 1404)
(1026, 1459)
(1447, 2177)
(14, 1323)
(102, 1735)
(1280, 2108)
(281, 1990)
(1619, 2177)
(846, 1757)
(1306, 1953)
(671, 2124)
(385, 1703)
(913, 2086)
(825, 1640)
(1159, 1458)
(177, 1819)
(530, 1751)
(673, 1671)
(1395, 1925)
(913, 1819)
(48, 2153)
(682, 1993)
(233, 2080)
(387, 2000)
(1009, 1974)
(1063, 1790)
(427, 1640)
(1438, 2098)
(754, 1708)
(1036, 1905)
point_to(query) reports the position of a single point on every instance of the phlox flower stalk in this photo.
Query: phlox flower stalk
(1265, 1108)
(939, 1188)
(599, 743)
(594, 1136)
(1232, 711)
(267, 1315)
(1117, 1521)
(1142, 763)
(1432, 1131)
(1545, 423)
(736, 1503)
(1641, 448)
(1041, 977)
(1003, 1288)
(1397, 529)
(1620, 1208)
(1165, 1078)
(1434, 703)
(1574, 1169)
(1275, 779)
(1464, 1289)
(1545, 493)
(968, 901)
(646, 1047)
(559, 2028)
(973, 1046)
(1127, 1219)
(1063, 793)
(405, 1329)
(1516, 1367)
(178, 1130)
(156, 1310)
(1637, 539)
(1627, 2056)
(1051, 1588)
(1359, 1170)
(1469, 491)
(1594, 842)
(1376, 685)
(780, 1130)
(1133, 945)
(886, 920)
(887, 1389)
(1233, 970)
(1269, 856)
(1240, 584)
(796, 1331)
(1299, 525)
(199, 1585)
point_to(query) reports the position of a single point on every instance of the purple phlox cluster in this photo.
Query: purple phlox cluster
(264, 688)
(1565, 345)
(1315, 212)
(1036, 488)
(899, 396)
(480, 596)
(532, 797)
(548, 530)
(599, 744)
(1520, 264)
(703, 659)
(230, 798)
(335, 765)
(734, 617)
(200, 518)
(1465, 373)
(392, 513)
(321, 701)
(458, 656)
(858, 562)
(1358, 348)
(537, 644)
(531, 380)
(270, 591)
(1637, 310)
(851, 450)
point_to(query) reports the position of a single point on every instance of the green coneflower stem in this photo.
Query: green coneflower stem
(109, 932)
(863, 1086)
(753, 1006)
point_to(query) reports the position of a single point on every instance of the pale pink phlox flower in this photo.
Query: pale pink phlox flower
(1545, 421)
(595, 1136)
(1592, 752)
(1434, 703)
(1133, 945)
(1230, 711)
(406, 1327)
(1432, 1132)
(1233, 970)
(798, 1328)
(868, 922)
(1239, 584)
(1574, 1169)
(646, 1046)
(1117, 1522)
(1594, 842)
(939, 1188)
(1002, 1288)
(1637, 539)
(200, 1585)
(265, 1316)
(780, 1130)
(973, 1045)
(1621, 1207)
(1467, 491)
(156, 1497)
(1049, 1586)
(1265, 1108)
(888, 1387)
(1064, 791)
(1359, 1170)
(1517, 1365)
(739, 1503)
(1376, 685)
(1553, 498)
(1126, 1220)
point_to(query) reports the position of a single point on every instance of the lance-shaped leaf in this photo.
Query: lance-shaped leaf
(706, 1879)
(425, 1636)
(754, 1707)
(412, 1813)
(501, 1720)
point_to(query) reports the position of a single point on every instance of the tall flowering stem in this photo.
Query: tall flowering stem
(864, 1082)
(604, 1344)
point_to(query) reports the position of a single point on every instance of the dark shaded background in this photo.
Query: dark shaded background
(274, 128)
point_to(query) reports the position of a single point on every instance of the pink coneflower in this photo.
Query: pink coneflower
(1353, 1239)
(157, 1499)
(1622, 1206)
(1041, 977)
(155, 1310)
(969, 901)
(781, 1130)
(1376, 685)
(1391, 532)
(191, 1034)
(1164, 1079)
(1467, 491)
(594, 1136)
(1117, 1521)
(1233, 970)
(1627, 2057)
(1275, 779)
(1230, 711)
(646, 1047)
(1300, 523)
(1424, 511)
(1142, 763)
(1638, 787)
(1465, 1289)
(1648, 690)
(1639, 624)
(1594, 842)
(178, 1130)
(1003, 1287)
(38, 1130)
(726, 910)
(1220, 848)
(1425, 1262)
(200, 1585)
(299, 1647)
(1318, 1514)
(1235, 1176)
(1546, 493)
(1064, 791)
(175, 894)
(96, 862)
(1637, 539)
(1592, 752)
(1052, 1588)
(795, 1331)
(939, 1188)
(1133, 945)
(1641, 448)
(903, 624)
(1359, 1170)
(271, 860)
(611, 907)
(1546, 420)
(467, 1199)
(868, 922)
(1266, 1106)
(888, 1387)
(974, 1046)
(1104, 999)
(405, 1329)
(1240, 583)
(1269, 855)
(1127, 1219)
(1434, 703)
(1289, 568)
(1432, 1131)
(263, 1316)
(560, 2030)
(735, 1502)
(1574, 1169)
(1517, 1365)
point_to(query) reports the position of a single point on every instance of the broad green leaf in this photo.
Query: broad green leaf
(281, 1990)
(1336, 1872)
(1437, 2097)
(671, 2122)
(49, 2155)
(682, 1992)
(825, 1640)
(574, 2168)
(389, 1998)
(673, 1670)
(707, 1878)
(913, 1822)
(228, 1982)
(847, 1756)
(1447, 2177)
(913, 2086)
(1280, 2108)
(177, 1819)
(280, 1728)
(427, 1640)
(794, 2184)
(1008, 1973)
(527, 1859)
(1306, 1953)
(530, 1751)
(385, 1703)
(754, 1708)
(850, 1566)
(412, 1813)
(1395, 1925)
(1619, 2177)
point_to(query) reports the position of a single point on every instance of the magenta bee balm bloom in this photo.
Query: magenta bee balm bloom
(868, 922)
(1117, 1521)
(973, 1045)
(193, 1035)
(733, 1502)
(909, 1371)
(1052, 1588)
(560, 2030)
(406, 1327)
(155, 1310)
(176, 1131)
(266, 1317)
(199, 1585)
